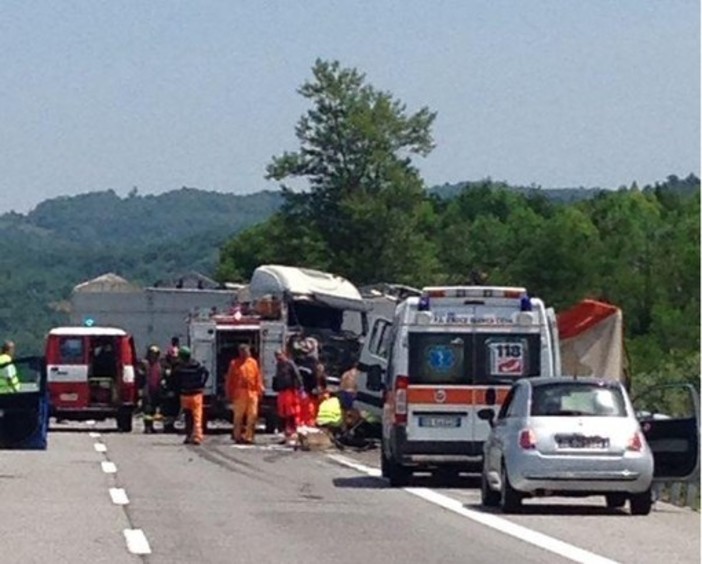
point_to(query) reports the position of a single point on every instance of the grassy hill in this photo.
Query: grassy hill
(67, 240)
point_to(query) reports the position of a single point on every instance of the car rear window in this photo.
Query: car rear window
(577, 399)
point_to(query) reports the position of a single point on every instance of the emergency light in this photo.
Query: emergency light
(514, 292)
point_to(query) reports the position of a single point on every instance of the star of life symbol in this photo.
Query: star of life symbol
(441, 358)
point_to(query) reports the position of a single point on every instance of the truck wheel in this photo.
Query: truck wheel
(640, 504)
(124, 420)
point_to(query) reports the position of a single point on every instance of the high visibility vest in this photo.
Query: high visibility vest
(9, 382)
(329, 412)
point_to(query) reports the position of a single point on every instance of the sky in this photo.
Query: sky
(98, 95)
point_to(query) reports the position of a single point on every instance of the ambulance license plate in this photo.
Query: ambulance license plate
(440, 421)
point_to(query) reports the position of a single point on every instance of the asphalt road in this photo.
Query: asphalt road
(100, 496)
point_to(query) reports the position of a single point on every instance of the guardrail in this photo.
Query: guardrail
(684, 494)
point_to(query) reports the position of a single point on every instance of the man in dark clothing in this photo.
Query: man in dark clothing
(287, 382)
(189, 378)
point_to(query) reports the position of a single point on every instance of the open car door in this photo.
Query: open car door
(669, 418)
(24, 415)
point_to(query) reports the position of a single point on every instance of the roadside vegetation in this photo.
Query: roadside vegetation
(367, 215)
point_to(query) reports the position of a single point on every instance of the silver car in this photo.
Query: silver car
(567, 437)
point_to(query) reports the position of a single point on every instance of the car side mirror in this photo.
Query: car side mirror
(374, 378)
(487, 414)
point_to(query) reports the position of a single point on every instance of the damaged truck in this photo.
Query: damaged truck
(283, 308)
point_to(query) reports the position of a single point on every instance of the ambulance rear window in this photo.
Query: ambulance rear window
(504, 357)
(440, 358)
(473, 358)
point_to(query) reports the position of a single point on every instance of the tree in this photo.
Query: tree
(366, 203)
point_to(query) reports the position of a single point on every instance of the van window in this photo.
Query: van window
(71, 350)
(440, 358)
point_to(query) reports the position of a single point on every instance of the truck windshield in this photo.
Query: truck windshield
(473, 358)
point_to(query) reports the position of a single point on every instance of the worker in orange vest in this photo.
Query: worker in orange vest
(244, 389)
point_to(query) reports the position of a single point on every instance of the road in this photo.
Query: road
(99, 496)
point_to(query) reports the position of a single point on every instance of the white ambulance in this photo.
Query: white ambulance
(445, 356)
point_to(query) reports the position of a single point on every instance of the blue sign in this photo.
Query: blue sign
(441, 358)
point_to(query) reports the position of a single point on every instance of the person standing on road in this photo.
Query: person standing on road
(189, 378)
(9, 382)
(244, 389)
(151, 387)
(287, 383)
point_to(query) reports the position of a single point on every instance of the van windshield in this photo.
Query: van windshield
(473, 358)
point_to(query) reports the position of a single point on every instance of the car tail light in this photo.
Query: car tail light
(527, 439)
(401, 383)
(635, 443)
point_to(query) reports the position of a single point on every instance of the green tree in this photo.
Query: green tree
(366, 208)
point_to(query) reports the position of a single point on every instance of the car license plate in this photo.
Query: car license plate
(439, 421)
(68, 397)
(581, 441)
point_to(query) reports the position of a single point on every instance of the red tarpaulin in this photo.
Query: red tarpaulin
(592, 340)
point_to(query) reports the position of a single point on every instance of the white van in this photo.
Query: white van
(445, 356)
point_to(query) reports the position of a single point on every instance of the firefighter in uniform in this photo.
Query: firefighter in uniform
(152, 375)
(9, 382)
(244, 388)
(189, 378)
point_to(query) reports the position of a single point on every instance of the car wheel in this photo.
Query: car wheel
(396, 473)
(615, 500)
(641, 503)
(510, 499)
(488, 496)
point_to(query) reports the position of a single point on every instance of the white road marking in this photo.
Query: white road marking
(262, 447)
(108, 467)
(525, 534)
(100, 447)
(93, 435)
(119, 496)
(137, 542)
(90, 422)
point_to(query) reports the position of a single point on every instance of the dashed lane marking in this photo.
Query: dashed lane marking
(108, 467)
(137, 543)
(93, 435)
(100, 447)
(119, 496)
(525, 534)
